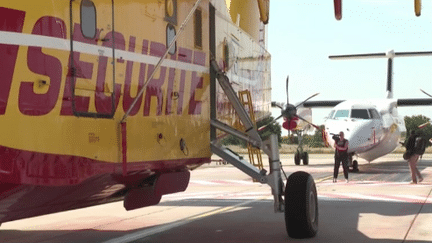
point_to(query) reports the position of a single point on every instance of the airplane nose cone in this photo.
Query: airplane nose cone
(358, 134)
(359, 138)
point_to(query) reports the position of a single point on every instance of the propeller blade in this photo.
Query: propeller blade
(423, 125)
(277, 104)
(273, 121)
(307, 99)
(310, 123)
(426, 93)
(287, 89)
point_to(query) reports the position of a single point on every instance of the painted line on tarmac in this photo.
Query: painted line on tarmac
(156, 229)
(375, 197)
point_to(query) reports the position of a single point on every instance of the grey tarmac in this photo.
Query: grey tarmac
(222, 204)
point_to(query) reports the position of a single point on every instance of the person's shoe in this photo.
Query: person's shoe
(347, 181)
(421, 179)
(334, 180)
(413, 182)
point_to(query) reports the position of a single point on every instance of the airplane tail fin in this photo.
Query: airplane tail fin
(390, 78)
(389, 55)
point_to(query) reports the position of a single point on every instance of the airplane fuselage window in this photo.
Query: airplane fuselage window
(360, 114)
(374, 114)
(330, 116)
(341, 114)
(88, 19)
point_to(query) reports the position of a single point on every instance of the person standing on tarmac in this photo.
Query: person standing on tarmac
(415, 154)
(341, 155)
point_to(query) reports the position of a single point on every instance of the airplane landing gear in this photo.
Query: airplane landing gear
(297, 158)
(355, 166)
(299, 200)
(305, 158)
(353, 163)
(301, 206)
(300, 154)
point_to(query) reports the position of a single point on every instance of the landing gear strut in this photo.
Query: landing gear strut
(299, 199)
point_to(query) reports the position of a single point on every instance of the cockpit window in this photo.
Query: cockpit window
(360, 114)
(374, 114)
(341, 113)
(330, 116)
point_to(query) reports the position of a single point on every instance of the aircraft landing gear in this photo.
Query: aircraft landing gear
(305, 158)
(299, 200)
(297, 158)
(353, 163)
(301, 206)
(299, 155)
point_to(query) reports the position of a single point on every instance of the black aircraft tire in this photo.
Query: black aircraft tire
(301, 206)
(355, 166)
(297, 158)
(305, 158)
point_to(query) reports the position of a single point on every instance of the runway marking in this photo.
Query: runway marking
(222, 182)
(160, 229)
(373, 183)
(216, 195)
(375, 197)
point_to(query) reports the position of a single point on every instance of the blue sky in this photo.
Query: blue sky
(302, 34)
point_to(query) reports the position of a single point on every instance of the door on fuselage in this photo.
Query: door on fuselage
(91, 78)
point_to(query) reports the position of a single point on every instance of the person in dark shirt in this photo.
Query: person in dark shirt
(341, 155)
(415, 154)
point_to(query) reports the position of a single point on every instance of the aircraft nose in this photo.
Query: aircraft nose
(358, 137)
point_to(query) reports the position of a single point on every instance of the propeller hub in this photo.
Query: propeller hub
(289, 112)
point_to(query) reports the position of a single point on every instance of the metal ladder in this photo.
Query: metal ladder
(255, 157)
(250, 135)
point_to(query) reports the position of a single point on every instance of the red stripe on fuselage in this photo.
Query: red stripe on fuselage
(13, 21)
(44, 169)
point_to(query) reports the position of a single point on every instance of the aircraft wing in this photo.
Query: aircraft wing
(322, 103)
(414, 102)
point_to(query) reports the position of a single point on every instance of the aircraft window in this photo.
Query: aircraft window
(170, 35)
(331, 114)
(198, 28)
(341, 113)
(374, 114)
(360, 113)
(88, 19)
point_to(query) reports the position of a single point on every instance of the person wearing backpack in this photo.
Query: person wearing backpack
(416, 144)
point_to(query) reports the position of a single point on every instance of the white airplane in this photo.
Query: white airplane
(372, 126)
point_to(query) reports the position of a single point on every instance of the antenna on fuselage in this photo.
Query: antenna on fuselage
(389, 55)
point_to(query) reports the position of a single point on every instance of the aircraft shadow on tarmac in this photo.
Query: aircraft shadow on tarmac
(256, 222)
(253, 222)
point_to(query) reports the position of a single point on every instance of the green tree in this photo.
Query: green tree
(316, 141)
(270, 129)
(412, 123)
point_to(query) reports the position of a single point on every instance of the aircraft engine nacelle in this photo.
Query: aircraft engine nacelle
(290, 124)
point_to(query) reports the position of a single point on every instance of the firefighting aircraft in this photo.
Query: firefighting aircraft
(104, 100)
(372, 126)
